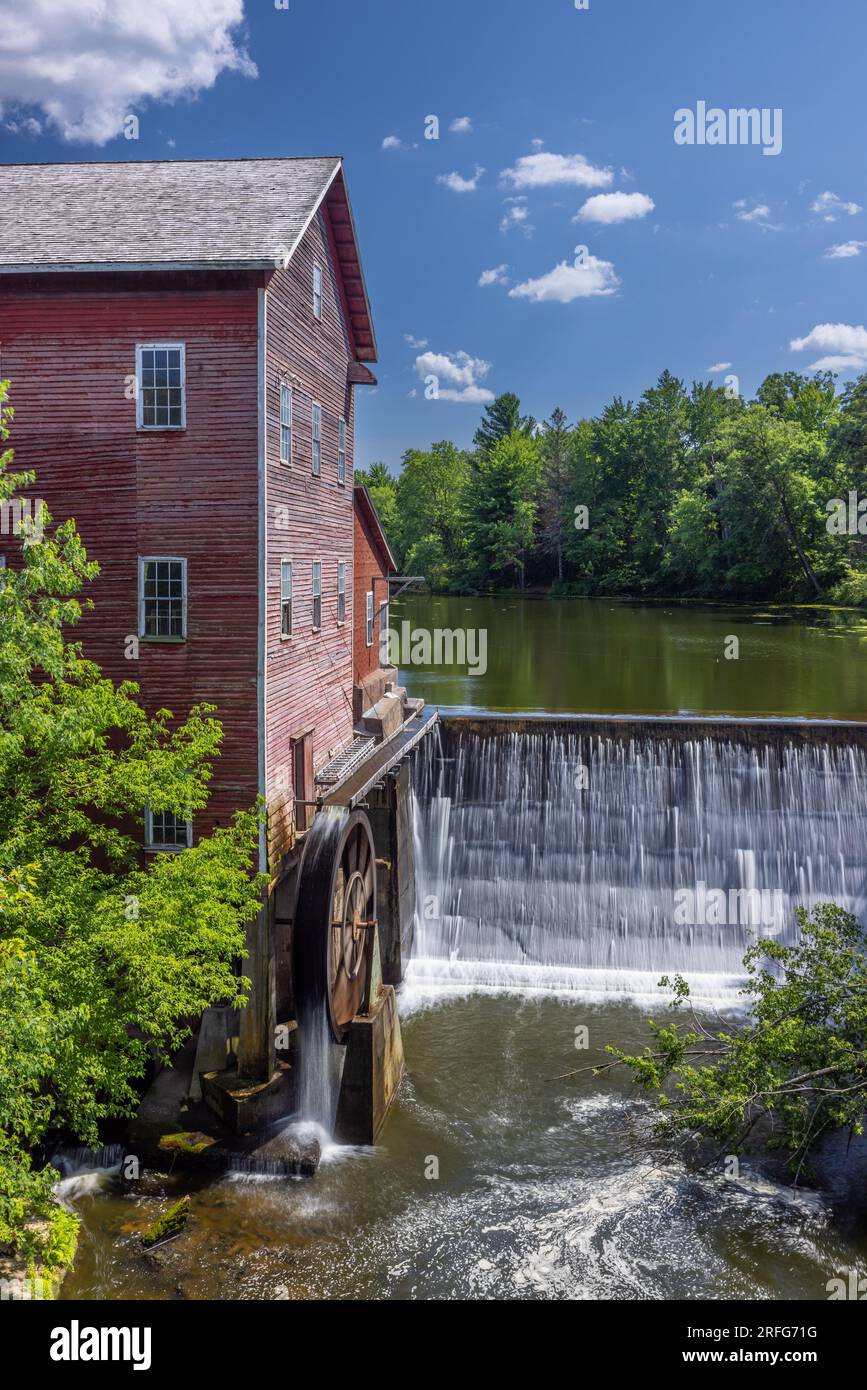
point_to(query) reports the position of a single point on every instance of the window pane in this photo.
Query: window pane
(161, 388)
(163, 598)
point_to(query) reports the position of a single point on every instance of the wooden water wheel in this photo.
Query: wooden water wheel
(335, 915)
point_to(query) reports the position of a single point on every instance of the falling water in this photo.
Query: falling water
(552, 860)
(319, 1057)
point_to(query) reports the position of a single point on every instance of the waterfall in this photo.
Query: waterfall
(319, 1057)
(592, 861)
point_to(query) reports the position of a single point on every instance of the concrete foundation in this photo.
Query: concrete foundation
(373, 1072)
(244, 1106)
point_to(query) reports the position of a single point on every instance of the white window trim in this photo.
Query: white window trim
(317, 271)
(139, 397)
(341, 451)
(369, 618)
(173, 559)
(316, 628)
(285, 386)
(383, 632)
(314, 440)
(164, 849)
(341, 565)
(287, 636)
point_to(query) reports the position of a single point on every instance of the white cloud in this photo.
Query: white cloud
(458, 184)
(461, 125)
(496, 276)
(393, 142)
(718, 367)
(567, 282)
(463, 372)
(759, 214)
(87, 65)
(545, 170)
(609, 208)
(418, 343)
(517, 214)
(844, 362)
(839, 337)
(845, 250)
(830, 207)
(845, 345)
(538, 144)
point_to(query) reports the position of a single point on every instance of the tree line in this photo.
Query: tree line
(693, 493)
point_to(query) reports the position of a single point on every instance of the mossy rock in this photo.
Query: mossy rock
(192, 1142)
(171, 1223)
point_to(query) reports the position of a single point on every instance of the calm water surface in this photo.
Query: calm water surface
(616, 657)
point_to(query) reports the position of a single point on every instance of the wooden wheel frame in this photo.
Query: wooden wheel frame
(335, 914)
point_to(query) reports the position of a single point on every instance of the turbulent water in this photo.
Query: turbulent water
(547, 874)
(493, 1179)
(580, 861)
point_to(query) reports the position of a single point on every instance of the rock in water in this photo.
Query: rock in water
(290, 1153)
(171, 1223)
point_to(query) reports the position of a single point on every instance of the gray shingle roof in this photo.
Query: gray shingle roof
(179, 212)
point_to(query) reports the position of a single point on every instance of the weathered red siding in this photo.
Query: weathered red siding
(370, 573)
(308, 676)
(68, 346)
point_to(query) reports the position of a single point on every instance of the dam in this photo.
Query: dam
(563, 853)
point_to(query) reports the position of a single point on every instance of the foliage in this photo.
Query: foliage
(795, 1071)
(103, 962)
(694, 493)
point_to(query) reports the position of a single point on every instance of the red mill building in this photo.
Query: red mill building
(183, 341)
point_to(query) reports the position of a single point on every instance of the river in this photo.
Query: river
(497, 1176)
(611, 656)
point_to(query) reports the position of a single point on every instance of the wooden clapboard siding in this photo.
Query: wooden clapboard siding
(370, 573)
(68, 347)
(309, 677)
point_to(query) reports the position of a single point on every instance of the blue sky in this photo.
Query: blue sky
(740, 256)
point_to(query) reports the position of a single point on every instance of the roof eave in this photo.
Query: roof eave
(109, 267)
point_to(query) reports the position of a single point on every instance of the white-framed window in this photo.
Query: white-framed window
(341, 591)
(285, 422)
(317, 439)
(370, 619)
(161, 396)
(162, 596)
(285, 598)
(341, 450)
(317, 594)
(383, 633)
(317, 291)
(164, 830)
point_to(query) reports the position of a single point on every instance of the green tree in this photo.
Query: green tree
(430, 499)
(103, 962)
(500, 419)
(502, 505)
(810, 402)
(796, 1071)
(382, 487)
(555, 444)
